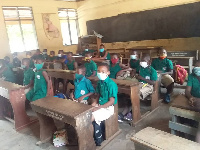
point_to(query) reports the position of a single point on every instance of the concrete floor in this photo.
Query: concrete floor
(26, 139)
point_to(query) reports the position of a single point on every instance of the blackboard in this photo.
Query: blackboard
(180, 21)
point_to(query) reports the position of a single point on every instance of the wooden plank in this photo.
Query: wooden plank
(182, 128)
(155, 139)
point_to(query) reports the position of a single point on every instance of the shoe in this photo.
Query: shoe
(120, 117)
(128, 117)
(167, 98)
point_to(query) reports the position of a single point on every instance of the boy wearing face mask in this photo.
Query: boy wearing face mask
(61, 57)
(41, 82)
(16, 61)
(7, 62)
(71, 64)
(87, 50)
(103, 54)
(29, 55)
(83, 86)
(45, 55)
(52, 56)
(6, 72)
(134, 60)
(90, 65)
(165, 66)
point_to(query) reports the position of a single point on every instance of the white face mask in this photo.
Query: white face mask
(86, 50)
(59, 55)
(143, 64)
(133, 57)
(102, 76)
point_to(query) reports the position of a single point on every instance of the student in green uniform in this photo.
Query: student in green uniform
(6, 72)
(165, 67)
(41, 82)
(83, 86)
(16, 61)
(134, 60)
(7, 61)
(116, 67)
(29, 55)
(103, 54)
(147, 76)
(45, 55)
(71, 64)
(90, 65)
(29, 74)
(52, 56)
(86, 50)
(192, 92)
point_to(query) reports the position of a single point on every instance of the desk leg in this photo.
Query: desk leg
(135, 100)
(47, 128)
(1, 107)
(155, 95)
(17, 99)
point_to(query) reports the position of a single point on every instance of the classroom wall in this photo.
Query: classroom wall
(95, 9)
(38, 7)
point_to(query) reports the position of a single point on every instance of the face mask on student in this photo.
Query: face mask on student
(44, 53)
(114, 60)
(101, 50)
(23, 66)
(102, 76)
(38, 66)
(133, 56)
(196, 71)
(86, 50)
(87, 58)
(59, 55)
(78, 76)
(143, 64)
(163, 56)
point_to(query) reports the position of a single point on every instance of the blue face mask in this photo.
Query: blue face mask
(196, 71)
(86, 50)
(78, 76)
(23, 66)
(101, 50)
(38, 66)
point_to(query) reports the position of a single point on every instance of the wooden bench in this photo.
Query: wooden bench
(153, 139)
(12, 94)
(180, 108)
(132, 89)
(77, 115)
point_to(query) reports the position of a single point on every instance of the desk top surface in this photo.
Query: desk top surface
(60, 70)
(62, 106)
(9, 86)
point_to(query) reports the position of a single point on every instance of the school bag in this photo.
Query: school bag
(61, 95)
(180, 74)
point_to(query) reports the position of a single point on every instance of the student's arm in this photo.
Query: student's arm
(123, 66)
(109, 103)
(75, 65)
(146, 80)
(84, 96)
(121, 71)
(2, 70)
(29, 85)
(44, 73)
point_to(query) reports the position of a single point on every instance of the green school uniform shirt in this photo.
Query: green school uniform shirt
(147, 73)
(195, 84)
(134, 64)
(51, 59)
(8, 74)
(90, 68)
(163, 65)
(106, 89)
(83, 87)
(45, 56)
(70, 65)
(28, 76)
(114, 70)
(108, 57)
(31, 64)
(89, 51)
(40, 87)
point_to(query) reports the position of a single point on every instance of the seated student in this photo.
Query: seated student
(45, 55)
(116, 67)
(147, 76)
(52, 56)
(36, 54)
(165, 66)
(90, 65)
(29, 55)
(6, 72)
(29, 74)
(103, 54)
(61, 57)
(41, 82)
(192, 91)
(134, 60)
(86, 50)
(107, 90)
(7, 61)
(83, 86)
(71, 64)
(16, 61)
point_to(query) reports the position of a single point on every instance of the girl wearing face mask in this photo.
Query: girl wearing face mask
(6, 72)
(134, 60)
(42, 86)
(116, 67)
(102, 55)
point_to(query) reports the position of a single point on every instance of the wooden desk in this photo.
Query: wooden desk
(16, 96)
(79, 59)
(64, 74)
(76, 114)
(132, 89)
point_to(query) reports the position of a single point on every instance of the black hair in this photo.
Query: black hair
(40, 57)
(44, 50)
(60, 51)
(52, 52)
(26, 60)
(3, 62)
(88, 53)
(146, 55)
(15, 53)
(82, 67)
(38, 50)
(28, 52)
(104, 65)
(70, 53)
(115, 54)
(102, 45)
(6, 57)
